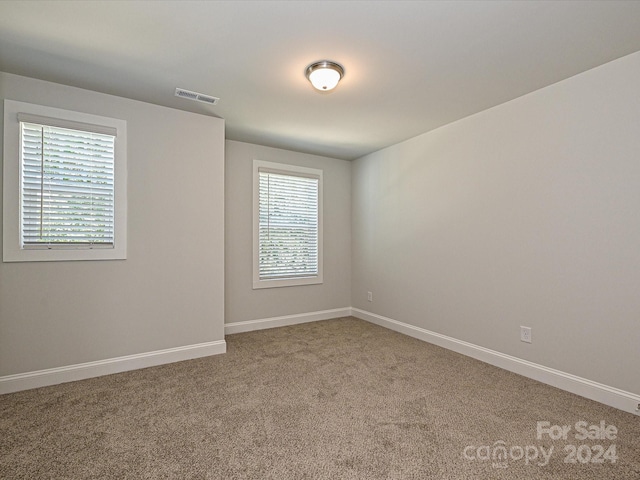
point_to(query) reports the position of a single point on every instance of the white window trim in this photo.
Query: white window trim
(287, 170)
(12, 250)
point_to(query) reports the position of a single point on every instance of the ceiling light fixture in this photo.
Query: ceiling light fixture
(324, 75)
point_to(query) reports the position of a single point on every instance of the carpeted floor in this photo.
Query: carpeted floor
(338, 399)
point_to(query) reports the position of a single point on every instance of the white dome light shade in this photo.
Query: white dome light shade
(324, 78)
(324, 75)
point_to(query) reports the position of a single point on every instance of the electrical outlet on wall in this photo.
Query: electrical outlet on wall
(525, 334)
(369, 297)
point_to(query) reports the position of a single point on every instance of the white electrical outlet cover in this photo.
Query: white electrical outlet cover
(525, 334)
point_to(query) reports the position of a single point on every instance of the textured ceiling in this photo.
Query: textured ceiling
(410, 66)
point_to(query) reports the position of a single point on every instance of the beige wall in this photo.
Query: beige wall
(170, 290)
(242, 303)
(524, 214)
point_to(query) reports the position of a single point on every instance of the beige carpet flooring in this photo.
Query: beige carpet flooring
(338, 399)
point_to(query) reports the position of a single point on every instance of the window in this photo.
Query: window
(64, 185)
(287, 240)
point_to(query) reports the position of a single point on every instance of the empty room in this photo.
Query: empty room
(320, 239)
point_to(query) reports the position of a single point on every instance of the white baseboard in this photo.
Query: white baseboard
(605, 394)
(598, 392)
(263, 323)
(81, 371)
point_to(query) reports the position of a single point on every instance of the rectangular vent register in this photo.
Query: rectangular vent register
(197, 97)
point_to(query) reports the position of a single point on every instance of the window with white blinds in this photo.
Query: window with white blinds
(64, 185)
(289, 220)
(67, 187)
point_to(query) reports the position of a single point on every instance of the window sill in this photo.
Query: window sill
(286, 282)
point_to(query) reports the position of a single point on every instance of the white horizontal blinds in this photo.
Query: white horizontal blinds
(67, 186)
(288, 225)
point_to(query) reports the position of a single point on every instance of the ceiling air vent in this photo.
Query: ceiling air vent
(198, 97)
